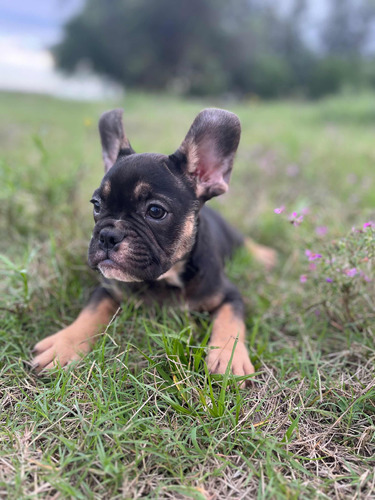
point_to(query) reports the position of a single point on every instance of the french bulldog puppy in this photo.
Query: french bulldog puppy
(155, 238)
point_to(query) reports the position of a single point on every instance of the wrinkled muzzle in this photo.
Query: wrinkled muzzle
(123, 254)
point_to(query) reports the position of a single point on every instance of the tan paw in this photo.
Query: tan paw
(266, 256)
(218, 359)
(59, 349)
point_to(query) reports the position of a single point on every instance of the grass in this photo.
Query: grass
(140, 416)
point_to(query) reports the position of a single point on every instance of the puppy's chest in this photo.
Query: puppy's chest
(168, 289)
(173, 277)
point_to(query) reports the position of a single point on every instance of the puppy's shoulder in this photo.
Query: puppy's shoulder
(222, 236)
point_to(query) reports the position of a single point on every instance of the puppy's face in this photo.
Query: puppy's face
(145, 213)
(146, 208)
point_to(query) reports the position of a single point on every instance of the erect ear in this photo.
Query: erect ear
(113, 138)
(209, 148)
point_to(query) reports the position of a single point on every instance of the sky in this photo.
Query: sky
(27, 30)
(37, 22)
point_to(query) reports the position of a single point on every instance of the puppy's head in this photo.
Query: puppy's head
(146, 208)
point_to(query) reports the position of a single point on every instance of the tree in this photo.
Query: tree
(201, 47)
(347, 27)
(145, 43)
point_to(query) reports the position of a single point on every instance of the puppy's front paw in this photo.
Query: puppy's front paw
(218, 359)
(60, 349)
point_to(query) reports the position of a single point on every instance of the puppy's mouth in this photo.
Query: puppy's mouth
(112, 270)
(127, 268)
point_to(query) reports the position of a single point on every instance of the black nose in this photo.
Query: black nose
(108, 238)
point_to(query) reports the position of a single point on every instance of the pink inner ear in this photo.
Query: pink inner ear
(213, 174)
(210, 177)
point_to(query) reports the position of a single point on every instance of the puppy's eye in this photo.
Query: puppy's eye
(156, 212)
(96, 205)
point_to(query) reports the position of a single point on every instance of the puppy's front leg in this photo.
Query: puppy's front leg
(77, 339)
(228, 324)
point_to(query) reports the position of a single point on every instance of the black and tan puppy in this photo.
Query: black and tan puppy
(154, 237)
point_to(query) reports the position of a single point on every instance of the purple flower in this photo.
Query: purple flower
(329, 280)
(351, 272)
(331, 261)
(321, 230)
(312, 256)
(368, 224)
(279, 210)
(295, 220)
(364, 276)
(303, 278)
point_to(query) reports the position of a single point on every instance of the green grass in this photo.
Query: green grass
(140, 416)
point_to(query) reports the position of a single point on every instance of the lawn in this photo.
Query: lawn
(140, 417)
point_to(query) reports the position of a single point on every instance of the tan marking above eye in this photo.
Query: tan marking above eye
(141, 189)
(106, 189)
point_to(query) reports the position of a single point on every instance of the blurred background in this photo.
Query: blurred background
(234, 48)
(300, 74)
